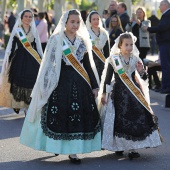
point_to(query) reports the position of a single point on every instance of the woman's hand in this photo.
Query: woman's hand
(103, 99)
(139, 67)
(95, 92)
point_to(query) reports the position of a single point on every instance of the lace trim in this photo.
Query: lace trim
(66, 136)
(143, 137)
(21, 93)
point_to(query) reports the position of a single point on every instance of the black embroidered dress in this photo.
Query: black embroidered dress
(23, 70)
(134, 126)
(69, 123)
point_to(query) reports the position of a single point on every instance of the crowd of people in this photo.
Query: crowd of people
(83, 85)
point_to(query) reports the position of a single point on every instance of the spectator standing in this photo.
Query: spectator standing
(1, 32)
(143, 41)
(49, 22)
(162, 31)
(122, 12)
(112, 11)
(42, 28)
(11, 21)
(154, 22)
(115, 29)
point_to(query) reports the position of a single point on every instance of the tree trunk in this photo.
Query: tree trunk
(4, 4)
(21, 5)
(41, 5)
(58, 8)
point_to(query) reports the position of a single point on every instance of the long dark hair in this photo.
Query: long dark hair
(25, 12)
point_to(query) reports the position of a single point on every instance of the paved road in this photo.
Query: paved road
(14, 156)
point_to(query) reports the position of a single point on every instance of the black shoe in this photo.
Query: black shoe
(16, 110)
(157, 88)
(56, 154)
(119, 153)
(132, 155)
(74, 160)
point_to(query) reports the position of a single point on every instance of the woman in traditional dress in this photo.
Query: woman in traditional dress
(129, 122)
(63, 117)
(100, 40)
(21, 63)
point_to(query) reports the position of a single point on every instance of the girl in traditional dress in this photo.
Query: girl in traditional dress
(21, 63)
(63, 117)
(100, 40)
(129, 122)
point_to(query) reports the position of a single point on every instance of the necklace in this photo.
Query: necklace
(72, 41)
(95, 32)
(25, 31)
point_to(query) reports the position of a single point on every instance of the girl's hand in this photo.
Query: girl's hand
(139, 66)
(95, 92)
(103, 99)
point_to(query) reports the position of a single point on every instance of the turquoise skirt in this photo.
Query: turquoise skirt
(32, 136)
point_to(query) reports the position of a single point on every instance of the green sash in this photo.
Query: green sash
(27, 45)
(129, 83)
(74, 62)
(97, 51)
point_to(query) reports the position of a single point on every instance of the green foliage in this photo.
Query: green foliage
(134, 2)
(87, 5)
(11, 4)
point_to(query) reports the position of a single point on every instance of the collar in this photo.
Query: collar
(122, 13)
(166, 11)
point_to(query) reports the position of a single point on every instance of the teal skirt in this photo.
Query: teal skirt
(32, 136)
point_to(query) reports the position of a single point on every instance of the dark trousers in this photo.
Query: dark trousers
(165, 65)
(43, 46)
(143, 52)
(152, 71)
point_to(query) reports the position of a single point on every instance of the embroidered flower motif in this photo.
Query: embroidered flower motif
(75, 106)
(92, 106)
(54, 109)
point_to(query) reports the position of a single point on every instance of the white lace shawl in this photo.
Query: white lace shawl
(49, 71)
(18, 23)
(103, 37)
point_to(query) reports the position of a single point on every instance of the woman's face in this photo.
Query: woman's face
(94, 20)
(127, 46)
(114, 21)
(73, 23)
(140, 14)
(27, 18)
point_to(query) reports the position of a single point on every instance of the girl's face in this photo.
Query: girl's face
(114, 22)
(140, 14)
(27, 18)
(94, 20)
(73, 23)
(127, 46)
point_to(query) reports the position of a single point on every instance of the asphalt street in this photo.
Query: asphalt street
(14, 156)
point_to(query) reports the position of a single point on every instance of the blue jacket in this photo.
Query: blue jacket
(162, 30)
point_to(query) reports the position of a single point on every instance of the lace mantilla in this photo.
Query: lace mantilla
(78, 49)
(100, 40)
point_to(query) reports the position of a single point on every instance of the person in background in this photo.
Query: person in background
(11, 21)
(154, 22)
(84, 15)
(49, 22)
(1, 33)
(134, 26)
(122, 12)
(105, 16)
(115, 29)
(42, 28)
(162, 31)
(112, 10)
